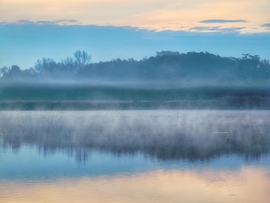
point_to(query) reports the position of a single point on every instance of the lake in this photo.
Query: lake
(135, 156)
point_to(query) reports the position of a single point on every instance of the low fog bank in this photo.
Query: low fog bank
(224, 103)
(185, 69)
(168, 80)
(114, 96)
(189, 135)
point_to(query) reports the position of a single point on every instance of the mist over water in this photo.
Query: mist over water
(134, 156)
(191, 135)
(172, 127)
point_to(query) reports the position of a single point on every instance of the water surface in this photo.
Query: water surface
(134, 156)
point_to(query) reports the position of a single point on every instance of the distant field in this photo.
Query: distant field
(83, 97)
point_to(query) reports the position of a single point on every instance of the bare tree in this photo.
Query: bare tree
(82, 58)
(45, 65)
(69, 64)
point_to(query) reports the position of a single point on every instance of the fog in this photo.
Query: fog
(168, 80)
(130, 96)
(166, 67)
(188, 135)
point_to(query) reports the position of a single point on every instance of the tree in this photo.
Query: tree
(45, 65)
(13, 72)
(69, 61)
(251, 69)
(68, 67)
(3, 70)
(82, 58)
(168, 53)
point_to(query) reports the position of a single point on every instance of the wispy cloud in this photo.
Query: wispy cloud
(43, 22)
(32, 40)
(222, 21)
(266, 25)
(216, 29)
(152, 14)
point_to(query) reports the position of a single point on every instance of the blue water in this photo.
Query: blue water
(42, 146)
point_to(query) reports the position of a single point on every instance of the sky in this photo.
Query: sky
(109, 29)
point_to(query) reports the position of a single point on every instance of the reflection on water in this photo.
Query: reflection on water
(135, 156)
(163, 134)
(248, 185)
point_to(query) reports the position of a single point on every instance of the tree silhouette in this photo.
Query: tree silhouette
(3, 70)
(82, 58)
(45, 65)
(69, 66)
(201, 68)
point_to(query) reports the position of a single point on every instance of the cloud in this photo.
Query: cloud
(222, 21)
(43, 22)
(216, 29)
(152, 14)
(109, 42)
(266, 25)
(66, 21)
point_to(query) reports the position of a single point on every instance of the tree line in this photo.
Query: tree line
(191, 67)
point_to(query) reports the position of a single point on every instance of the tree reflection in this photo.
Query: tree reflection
(189, 136)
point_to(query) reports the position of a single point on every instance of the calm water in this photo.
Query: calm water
(135, 156)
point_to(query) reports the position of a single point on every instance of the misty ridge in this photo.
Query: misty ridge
(165, 135)
(165, 67)
(168, 80)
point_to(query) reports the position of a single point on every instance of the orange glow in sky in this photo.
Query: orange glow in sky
(248, 16)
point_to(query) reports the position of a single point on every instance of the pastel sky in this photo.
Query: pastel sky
(250, 15)
(202, 25)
